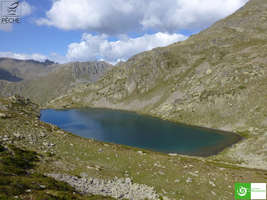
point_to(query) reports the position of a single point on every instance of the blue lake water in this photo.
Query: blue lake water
(141, 131)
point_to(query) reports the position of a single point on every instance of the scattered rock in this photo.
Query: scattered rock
(161, 173)
(157, 164)
(189, 180)
(251, 129)
(128, 181)
(42, 134)
(3, 115)
(193, 174)
(3, 107)
(17, 135)
(45, 143)
(5, 138)
(117, 188)
(84, 175)
(212, 183)
(165, 198)
(209, 71)
(141, 153)
(95, 167)
(42, 186)
(60, 132)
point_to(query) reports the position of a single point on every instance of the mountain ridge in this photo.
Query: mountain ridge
(215, 79)
(44, 81)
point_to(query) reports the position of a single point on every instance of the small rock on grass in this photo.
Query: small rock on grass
(3, 115)
(141, 153)
(173, 154)
(189, 180)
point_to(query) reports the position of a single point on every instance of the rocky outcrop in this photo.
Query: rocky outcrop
(117, 188)
(89, 71)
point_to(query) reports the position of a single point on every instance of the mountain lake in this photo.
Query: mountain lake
(131, 129)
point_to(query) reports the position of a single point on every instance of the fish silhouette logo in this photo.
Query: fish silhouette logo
(10, 11)
(12, 8)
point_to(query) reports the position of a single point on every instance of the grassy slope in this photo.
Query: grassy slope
(19, 180)
(178, 177)
(20, 174)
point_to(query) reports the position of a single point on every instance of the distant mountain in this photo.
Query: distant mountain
(24, 69)
(217, 79)
(49, 62)
(43, 81)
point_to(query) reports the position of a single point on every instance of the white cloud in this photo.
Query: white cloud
(37, 57)
(57, 58)
(100, 48)
(123, 16)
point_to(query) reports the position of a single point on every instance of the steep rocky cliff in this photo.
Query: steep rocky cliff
(217, 78)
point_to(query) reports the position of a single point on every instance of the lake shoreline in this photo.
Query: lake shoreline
(231, 139)
(224, 132)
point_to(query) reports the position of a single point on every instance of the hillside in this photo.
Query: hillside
(45, 81)
(33, 153)
(217, 79)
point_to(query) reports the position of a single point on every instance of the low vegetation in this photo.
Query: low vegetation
(20, 180)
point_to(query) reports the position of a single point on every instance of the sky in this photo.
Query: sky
(107, 30)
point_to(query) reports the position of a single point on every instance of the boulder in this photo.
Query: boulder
(3, 116)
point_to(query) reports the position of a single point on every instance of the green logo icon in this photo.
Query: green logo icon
(242, 191)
